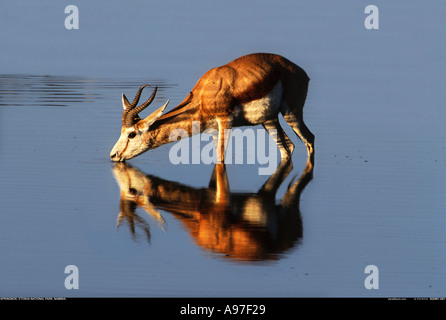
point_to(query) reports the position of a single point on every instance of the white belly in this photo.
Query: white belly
(260, 110)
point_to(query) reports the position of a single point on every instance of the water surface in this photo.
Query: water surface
(376, 196)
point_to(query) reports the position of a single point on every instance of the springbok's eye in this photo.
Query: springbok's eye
(132, 135)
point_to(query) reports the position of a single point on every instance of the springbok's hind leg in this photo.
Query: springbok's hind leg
(302, 132)
(279, 136)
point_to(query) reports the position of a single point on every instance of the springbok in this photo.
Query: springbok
(249, 90)
(237, 225)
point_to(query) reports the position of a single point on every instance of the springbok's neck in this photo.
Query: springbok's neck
(177, 124)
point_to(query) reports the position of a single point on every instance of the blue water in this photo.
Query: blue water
(375, 105)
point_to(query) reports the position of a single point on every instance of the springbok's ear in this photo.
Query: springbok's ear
(125, 102)
(155, 115)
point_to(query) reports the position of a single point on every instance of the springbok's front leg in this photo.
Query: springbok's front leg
(224, 131)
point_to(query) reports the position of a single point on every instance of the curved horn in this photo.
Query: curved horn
(138, 95)
(130, 114)
(145, 104)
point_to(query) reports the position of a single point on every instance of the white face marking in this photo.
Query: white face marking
(131, 142)
(260, 110)
(129, 145)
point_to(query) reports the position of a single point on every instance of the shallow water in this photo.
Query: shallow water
(376, 197)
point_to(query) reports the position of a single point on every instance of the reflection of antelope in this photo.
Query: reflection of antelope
(242, 226)
(251, 90)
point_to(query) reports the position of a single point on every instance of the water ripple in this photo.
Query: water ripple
(61, 91)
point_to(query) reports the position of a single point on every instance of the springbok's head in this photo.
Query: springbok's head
(131, 142)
